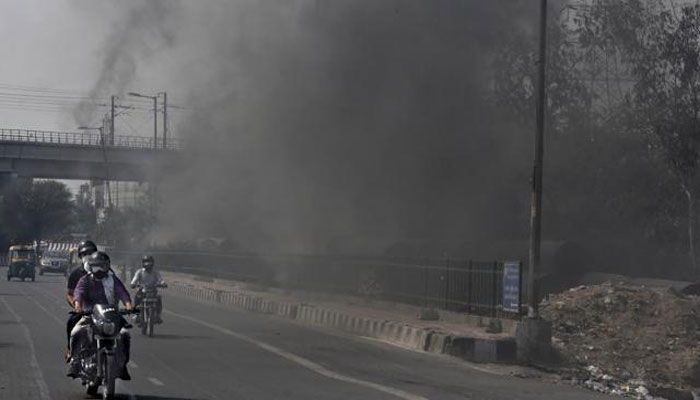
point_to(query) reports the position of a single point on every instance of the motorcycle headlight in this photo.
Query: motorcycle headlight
(45, 263)
(109, 328)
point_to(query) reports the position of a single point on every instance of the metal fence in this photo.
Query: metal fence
(86, 139)
(451, 284)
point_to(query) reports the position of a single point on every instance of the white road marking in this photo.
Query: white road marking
(39, 377)
(303, 361)
(156, 381)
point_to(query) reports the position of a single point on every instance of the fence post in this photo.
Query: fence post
(425, 284)
(447, 283)
(494, 290)
(470, 280)
(520, 290)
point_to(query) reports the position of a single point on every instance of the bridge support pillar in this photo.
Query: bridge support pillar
(98, 194)
(7, 178)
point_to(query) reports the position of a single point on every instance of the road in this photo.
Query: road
(208, 352)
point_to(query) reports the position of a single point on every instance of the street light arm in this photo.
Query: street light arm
(142, 95)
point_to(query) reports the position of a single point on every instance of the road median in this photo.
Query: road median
(396, 324)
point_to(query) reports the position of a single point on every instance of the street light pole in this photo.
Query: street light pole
(536, 199)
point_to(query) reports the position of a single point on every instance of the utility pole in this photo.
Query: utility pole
(165, 120)
(536, 199)
(155, 121)
(111, 124)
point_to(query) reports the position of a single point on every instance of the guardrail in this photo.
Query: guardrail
(451, 284)
(86, 139)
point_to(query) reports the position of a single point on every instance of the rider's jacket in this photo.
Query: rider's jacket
(109, 290)
(144, 278)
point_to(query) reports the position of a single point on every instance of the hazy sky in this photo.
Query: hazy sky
(54, 52)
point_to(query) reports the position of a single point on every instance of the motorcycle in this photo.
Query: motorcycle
(149, 308)
(98, 357)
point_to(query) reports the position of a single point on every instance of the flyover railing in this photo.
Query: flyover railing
(86, 139)
(450, 284)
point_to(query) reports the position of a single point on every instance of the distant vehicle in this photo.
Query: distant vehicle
(21, 262)
(53, 262)
(146, 319)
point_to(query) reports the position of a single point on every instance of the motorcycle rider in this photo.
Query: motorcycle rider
(148, 277)
(99, 286)
(85, 248)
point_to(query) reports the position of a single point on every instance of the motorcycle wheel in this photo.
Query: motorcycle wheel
(150, 325)
(22, 278)
(33, 278)
(144, 322)
(110, 377)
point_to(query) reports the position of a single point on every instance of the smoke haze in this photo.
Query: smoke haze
(332, 121)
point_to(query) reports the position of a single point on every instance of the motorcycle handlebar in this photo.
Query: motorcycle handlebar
(164, 285)
(121, 312)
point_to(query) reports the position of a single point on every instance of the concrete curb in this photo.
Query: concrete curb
(422, 339)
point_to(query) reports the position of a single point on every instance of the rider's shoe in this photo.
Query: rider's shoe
(73, 369)
(67, 355)
(125, 374)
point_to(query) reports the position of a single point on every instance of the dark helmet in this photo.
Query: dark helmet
(98, 264)
(148, 262)
(86, 247)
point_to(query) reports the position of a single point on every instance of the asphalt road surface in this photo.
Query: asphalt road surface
(208, 352)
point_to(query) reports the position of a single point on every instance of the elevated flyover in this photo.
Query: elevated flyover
(84, 156)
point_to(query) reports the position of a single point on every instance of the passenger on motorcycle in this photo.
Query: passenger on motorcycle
(99, 286)
(85, 248)
(148, 277)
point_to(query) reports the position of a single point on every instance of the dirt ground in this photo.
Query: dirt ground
(624, 337)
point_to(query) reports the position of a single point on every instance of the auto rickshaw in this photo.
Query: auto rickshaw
(21, 262)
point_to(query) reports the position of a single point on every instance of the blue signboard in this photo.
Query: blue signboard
(511, 287)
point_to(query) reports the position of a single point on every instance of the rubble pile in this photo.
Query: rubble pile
(626, 339)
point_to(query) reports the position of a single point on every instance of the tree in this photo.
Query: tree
(661, 49)
(32, 210)
(622, 119)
